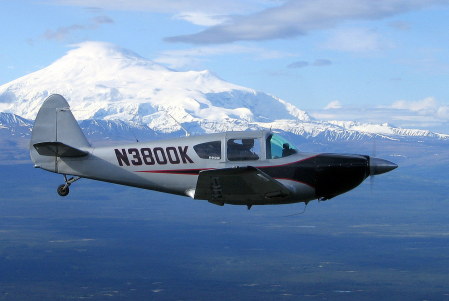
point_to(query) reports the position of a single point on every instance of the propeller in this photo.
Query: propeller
(373, 155)
(379, 166)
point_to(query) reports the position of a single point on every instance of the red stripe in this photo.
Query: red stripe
(177, 171)
(183, 171)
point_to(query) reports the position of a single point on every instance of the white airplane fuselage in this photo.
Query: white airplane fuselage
(245, 168)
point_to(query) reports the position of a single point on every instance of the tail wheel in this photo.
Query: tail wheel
(63, 190)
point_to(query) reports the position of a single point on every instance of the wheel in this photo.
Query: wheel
(63, 190)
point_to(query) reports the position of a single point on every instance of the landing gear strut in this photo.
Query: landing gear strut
(63, 189)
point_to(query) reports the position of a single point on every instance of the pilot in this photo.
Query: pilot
(286, 150)
(243, 151)
(247, 153)
(248, 144)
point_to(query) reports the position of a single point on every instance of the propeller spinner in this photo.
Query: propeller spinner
(379, 166)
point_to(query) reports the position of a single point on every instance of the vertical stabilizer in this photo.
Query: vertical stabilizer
(55, 134)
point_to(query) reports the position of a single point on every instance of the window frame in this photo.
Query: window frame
(260, 136)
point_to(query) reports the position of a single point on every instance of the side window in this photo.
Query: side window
(243, 149)
(278, 147)
(209, 150)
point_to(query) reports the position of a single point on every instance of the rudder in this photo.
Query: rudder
(55, 129)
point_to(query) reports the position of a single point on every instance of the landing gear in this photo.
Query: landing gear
(63, 189)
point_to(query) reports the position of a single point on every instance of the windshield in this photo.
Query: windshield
(279, 147)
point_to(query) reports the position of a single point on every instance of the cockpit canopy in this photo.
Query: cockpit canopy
(279, 147)
(246, 146)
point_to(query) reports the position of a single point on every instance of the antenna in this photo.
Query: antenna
(299, 213)
(187, 133)
(134, 134)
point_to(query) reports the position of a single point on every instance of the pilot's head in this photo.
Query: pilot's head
(249, 143)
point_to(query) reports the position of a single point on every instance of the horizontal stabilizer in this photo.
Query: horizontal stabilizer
(242, 185)
(58, 149)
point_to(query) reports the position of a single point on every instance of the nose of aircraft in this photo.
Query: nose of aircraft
(380, 166)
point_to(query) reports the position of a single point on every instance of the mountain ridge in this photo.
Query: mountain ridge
(115, 92)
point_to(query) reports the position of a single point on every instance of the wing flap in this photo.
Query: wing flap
(242, 185)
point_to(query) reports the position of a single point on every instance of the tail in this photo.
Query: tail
(56, 135)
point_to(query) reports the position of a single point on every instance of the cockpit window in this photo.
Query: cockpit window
(245, 149)
(209, 150)
(279, 147)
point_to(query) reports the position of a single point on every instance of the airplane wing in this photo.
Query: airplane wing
(241, 185)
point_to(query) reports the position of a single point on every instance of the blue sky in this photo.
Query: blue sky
(378, 61)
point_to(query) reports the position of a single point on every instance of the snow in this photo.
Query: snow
(386, 129)
(101, 80)
(105, 82)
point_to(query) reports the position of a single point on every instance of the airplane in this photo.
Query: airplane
(240, 168)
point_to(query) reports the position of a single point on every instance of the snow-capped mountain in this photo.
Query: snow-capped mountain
(121, 94)
(103, 81)
(15, 125)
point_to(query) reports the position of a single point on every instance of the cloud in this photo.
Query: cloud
(400, 25)
(199, 12)
(93, 10)
(236, 20)
(102, 20)
(199, 18)
(64, 32)
(316, 63)
(356, 40)
(333, 105)
(430, 61)
(172, 6)
(298, 64)
(298, 17)
(426, 113)
(194, 57)
(322, 62)
(423, 106)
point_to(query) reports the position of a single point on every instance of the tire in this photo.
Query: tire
(62, 190)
